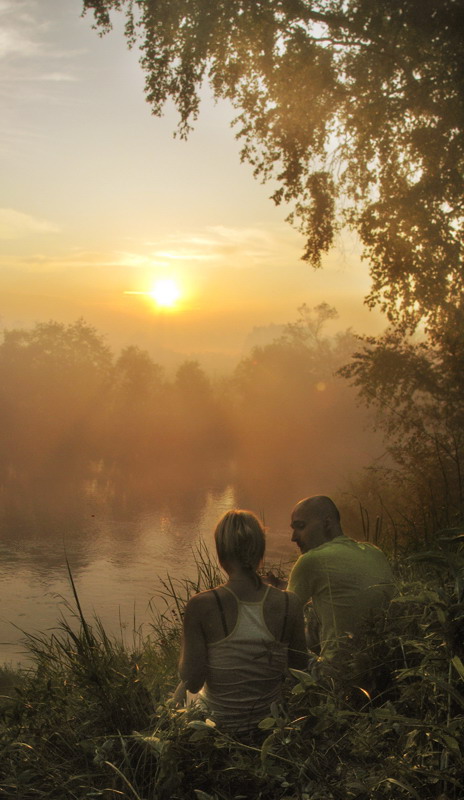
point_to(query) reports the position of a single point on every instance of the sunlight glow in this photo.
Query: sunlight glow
(166, 292)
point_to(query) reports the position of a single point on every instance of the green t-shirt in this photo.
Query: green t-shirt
(346, 581)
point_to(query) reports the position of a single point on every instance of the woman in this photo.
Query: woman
(240, 637)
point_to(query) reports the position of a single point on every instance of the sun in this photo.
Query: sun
(165, 292)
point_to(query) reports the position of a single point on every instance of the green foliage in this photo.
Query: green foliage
(354, 109)
(417, 391)
(383, 722)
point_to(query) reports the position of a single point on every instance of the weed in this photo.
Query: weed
(92, 719)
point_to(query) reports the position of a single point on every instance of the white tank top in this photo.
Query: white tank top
(245, 670)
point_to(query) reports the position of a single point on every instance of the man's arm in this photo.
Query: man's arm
(297, 650)
(300, 580)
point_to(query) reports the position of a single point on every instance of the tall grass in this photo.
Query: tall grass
(92, 718)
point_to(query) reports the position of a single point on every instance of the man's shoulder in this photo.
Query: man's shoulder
(342, 547)
(372, 551)
(316, 553)
(343, 542)
(364, 557)
(333, 546)
(336, 549)
(308, 565)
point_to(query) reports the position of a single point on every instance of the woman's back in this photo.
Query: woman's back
(246, 666)
(239, 638)
(220, 607)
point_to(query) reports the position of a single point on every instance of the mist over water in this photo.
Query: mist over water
(108, 463)
(117, 550)
(116, 560)
(120, 544)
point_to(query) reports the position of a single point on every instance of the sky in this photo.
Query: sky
(98, 202)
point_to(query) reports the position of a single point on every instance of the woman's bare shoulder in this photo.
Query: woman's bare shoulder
(277, 596)
(200, 602)
(295, 608)
(294, 603)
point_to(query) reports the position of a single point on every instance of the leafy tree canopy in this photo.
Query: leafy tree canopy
(417, 389)
(354, 108)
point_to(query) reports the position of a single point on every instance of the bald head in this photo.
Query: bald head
(315, 520)
(319, 506)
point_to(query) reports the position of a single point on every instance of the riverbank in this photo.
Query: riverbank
(92, 718)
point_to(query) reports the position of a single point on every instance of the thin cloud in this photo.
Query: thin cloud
(182, 254)
(18, 30)
(242, 235)
(23, 44)
(14, 42)
(15, 224)
(69, 262)
(239, 247)
(55, 77)
(247, 244)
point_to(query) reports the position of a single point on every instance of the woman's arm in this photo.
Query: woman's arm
(180, 694)
(192, 663)
(297, 648)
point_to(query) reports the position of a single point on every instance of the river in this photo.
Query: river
(119, 556)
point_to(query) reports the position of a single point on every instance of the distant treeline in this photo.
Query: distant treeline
(70, 407)
(287, 421)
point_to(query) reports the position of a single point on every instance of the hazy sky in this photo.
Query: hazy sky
(97, 200)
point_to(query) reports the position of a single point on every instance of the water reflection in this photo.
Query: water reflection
(118, 534)
(110, 463)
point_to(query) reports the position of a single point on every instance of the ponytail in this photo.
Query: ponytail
(239, 536)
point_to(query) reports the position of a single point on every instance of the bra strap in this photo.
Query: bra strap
(284, 624)
(221, 611)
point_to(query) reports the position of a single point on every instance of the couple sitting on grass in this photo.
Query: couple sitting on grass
(240, 638)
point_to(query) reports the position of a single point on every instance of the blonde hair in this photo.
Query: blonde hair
(239, 536)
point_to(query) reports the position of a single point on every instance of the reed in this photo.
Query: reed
(91, 718)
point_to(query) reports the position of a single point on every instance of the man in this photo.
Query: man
(346, 581)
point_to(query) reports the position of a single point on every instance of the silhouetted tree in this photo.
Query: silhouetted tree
(53, 381)
(354, 108)
(417, 390)
(136, 377)
(201, 426)
(297, 423)
(137, 425)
